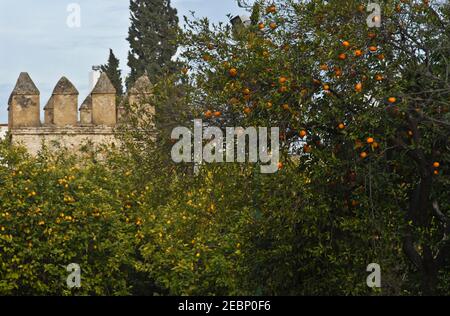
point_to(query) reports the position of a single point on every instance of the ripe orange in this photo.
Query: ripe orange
(375, 145)
(303, 133)
(326, 87)
(392, 100)
(436, 164)
(380, 56)
(341, 126)
(217, 114)
(233, 72)
(373, 49)
(436, 172)
(261, 26)
(247, 110)
(273, 25)
(370, 140)
(346, 43)
(378, 77)
(282, 80)
(269, 104)
(358, 87)
(285, 106)
(358, 53)
(280, 166)
(342, 56)
(363, 155)
(208, 114)
(372, 35)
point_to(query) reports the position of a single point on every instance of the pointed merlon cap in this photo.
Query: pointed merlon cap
(142, 85)
(87, 104)
(65, 87)
(49, 104)
(25, 86)
(104, 86)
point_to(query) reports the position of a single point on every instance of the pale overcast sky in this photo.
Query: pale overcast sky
(34, 37)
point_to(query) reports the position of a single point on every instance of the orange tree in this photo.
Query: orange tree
(364, 109)
(58, 209)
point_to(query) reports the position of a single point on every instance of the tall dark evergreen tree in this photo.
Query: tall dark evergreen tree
(114, 73)
(152, 37)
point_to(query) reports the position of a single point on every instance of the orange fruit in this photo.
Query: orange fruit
(346, 43)
(246, 91)
(233, 72)
(358, 87)
(282, 80)
(373, 49)
(247, 110)
(342, 56)
(363, 155)
(358, 53)
(326, 87)
(436, 164)
(436, 172)
(217, 114)
(324, 67)
(392, 100)
(375, 145)
(341, 126)
(273, 25)
(370, 140)
(380, 56)
(208, 114)
(285, 107)
(378, 77)
(280, 165)
(303, 133)
(372, 35)
(261, 26)
(269, 104)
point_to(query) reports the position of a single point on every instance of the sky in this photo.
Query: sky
(35, 37)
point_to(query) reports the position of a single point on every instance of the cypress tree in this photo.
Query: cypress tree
(152, 37)
(113, 72)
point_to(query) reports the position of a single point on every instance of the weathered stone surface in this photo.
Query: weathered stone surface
(65, 87)
(25, 86)
(24, 106)
(86, 111)
(104, 86)
(72, 138)
(142, 85)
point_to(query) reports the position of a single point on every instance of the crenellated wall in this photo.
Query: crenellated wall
(64, 123)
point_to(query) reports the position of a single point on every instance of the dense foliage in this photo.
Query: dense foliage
(364, 119)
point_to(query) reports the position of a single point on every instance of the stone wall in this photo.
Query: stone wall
(72, 138)
(66, 125)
